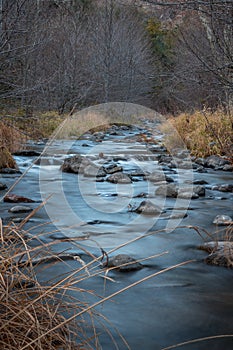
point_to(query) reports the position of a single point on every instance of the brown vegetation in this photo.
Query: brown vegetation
(206, 133)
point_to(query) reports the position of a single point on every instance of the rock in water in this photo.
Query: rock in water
(119, 178)
(20, 209)
(168, 190)
(191, 192)
(75, 164)
(216, 162)
(3, 186)
(148, 208)
(93, 171)
(221, 253)
(156, 176)
(123, 263)
(223, 188)
(27, 153)
(14, 198)
(222, 220)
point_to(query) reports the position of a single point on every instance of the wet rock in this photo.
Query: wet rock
(156, 176)
(139, 173)
(198, 191)
(98, 136)
(75, 164)
(200, 182)
(216, 162)
(182, 164)
(20, 209)
(182, 153)
(14, 198)
(164, 158)
(184, 192)
(188, 195)
(27, 153)
(221, 253)
(176, 216)
(113, 168)
(148, 208)
(223, 188)
(3, 186)
(200, 161)
(17, 220)
(58, 236)
(157, 149)
(228, 167)
(119, 158)
(120, 178)
(123, 263)
(168, 190)
(222, 220)
(100, 179)
(141, 195)
(93, 171)
(10, 171)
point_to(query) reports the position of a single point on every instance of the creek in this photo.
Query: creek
(185, 303)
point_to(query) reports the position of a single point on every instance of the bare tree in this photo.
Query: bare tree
(205, 53)
(120, 63)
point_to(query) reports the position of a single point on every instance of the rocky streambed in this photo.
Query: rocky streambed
(108, 188)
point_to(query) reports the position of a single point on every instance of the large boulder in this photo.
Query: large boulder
(75, 164)
(168, 190)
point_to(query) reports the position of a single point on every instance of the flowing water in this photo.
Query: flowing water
(189, 302)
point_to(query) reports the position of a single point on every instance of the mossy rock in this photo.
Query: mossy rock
(6, 159)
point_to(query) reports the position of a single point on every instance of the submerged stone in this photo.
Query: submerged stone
(222, 220)
(20, 209)
(3, 186)
(123, 263)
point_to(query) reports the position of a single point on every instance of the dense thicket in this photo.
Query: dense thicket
(170, 55)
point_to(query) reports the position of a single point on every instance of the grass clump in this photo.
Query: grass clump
(6, 159)
(32, 314)
(206, 133)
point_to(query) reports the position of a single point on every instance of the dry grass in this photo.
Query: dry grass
(206, 133)
(82, 122)
(53, 316)
(6, 159)
(34, 315)
(10, 137)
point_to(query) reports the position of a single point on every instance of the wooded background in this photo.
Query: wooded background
(172, 56)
